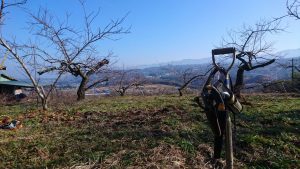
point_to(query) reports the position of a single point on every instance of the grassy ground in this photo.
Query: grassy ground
(148, 132)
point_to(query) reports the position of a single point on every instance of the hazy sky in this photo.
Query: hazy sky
(166, 30)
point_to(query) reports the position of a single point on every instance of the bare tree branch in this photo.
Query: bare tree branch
(293, 8)
(43, 95)
(126, 79)
(253, 50)
(187, 81)
(96, 83)
(76, 50)
(5, 5)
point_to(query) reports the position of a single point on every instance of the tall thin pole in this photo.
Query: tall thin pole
(292, 69)
(34, 63)
(228, 144)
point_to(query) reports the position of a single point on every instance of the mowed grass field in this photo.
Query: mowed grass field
(148, 132)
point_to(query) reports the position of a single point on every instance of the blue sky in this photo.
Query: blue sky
(166, 30)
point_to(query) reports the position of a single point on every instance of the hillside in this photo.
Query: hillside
(169, 72)
(147, 132)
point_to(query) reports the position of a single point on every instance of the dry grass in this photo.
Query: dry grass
(147, 132)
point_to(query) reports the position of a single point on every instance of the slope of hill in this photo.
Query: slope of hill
(147, 132)
(165, 72)
(290, 53)
(176, 63)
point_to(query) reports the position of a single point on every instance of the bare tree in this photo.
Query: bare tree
(17, 52)
(293, 8)
(254, 51)
(126, 79)
(77, 51)
(14, 49)
(182, 77)
(188, 76)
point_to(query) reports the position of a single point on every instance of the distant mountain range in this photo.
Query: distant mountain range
(161, 70)
(178, 62)
(289, 53)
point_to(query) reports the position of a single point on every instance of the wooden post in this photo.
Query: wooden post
(228, 144)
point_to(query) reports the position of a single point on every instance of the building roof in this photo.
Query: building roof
(2, 79)
(16, 83)
(5, 80)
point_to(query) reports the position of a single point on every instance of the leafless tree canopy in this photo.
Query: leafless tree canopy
(77, 51)
(19, 54)
(188, 76)
(62, 48)
(254, 50)
(126, 79)
(5, 5)
(293, 8)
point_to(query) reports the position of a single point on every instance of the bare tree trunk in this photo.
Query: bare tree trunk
(81, 89)
(180, 91)
(122, 91)
(45, 103)
(239, 82)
